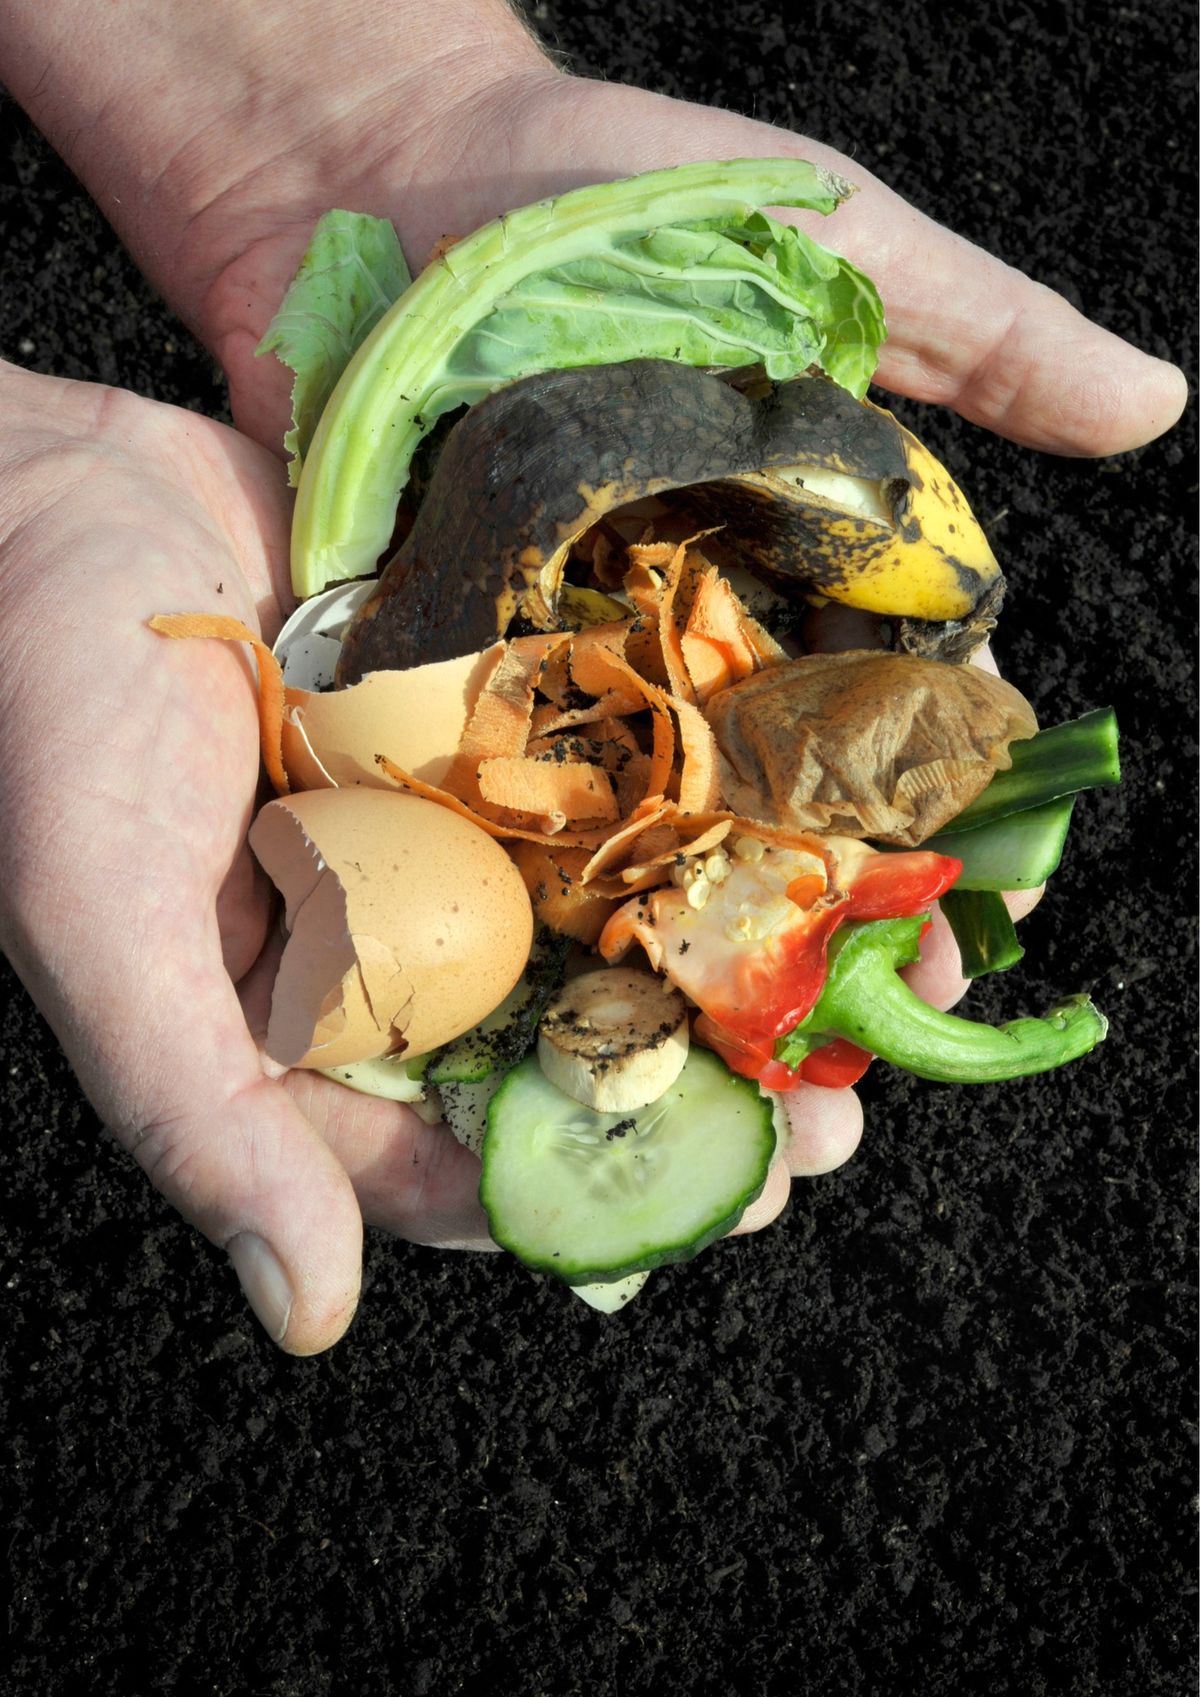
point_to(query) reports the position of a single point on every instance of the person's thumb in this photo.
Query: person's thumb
(159, 1041)
(246, 1168)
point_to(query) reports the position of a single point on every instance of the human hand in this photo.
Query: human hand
(442, 116)
(130, 905)
(964, 329)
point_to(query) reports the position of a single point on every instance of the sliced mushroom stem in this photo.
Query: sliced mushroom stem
(615, 1039)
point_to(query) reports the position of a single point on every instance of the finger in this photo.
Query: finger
(964, 329)
(827, 1127)
(937, 976)
(233, 1153)
(410, 1178)
(152, 1026)
(1005, 351)
(770, 1203)
(1022, 902)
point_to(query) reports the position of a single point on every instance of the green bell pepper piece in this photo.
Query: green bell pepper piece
(868, 1003)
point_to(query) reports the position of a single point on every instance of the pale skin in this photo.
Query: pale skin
(129, 766)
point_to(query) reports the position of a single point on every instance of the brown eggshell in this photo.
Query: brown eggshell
(407, 924)
(416, 718)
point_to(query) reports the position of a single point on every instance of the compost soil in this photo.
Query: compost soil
(931, 1431)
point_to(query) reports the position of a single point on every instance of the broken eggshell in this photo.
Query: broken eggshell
(331, 738)
(308, 646)
(406, 925)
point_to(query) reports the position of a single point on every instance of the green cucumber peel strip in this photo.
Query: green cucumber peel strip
(866, 1001)
(675, 264)
(1016, 852)
(1061, 760)
(1011, 837)
(983, 929)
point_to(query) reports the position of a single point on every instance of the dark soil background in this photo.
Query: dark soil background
(932, 1431)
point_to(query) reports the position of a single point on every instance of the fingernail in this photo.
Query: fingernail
(264, 1283)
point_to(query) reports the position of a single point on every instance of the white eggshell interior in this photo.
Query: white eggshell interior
(308, 645)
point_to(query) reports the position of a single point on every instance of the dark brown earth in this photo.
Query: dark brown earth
(932, 1431)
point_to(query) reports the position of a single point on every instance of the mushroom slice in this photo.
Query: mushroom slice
(614, 1039)
(820, 494)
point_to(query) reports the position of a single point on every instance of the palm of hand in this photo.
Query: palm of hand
(964, 329)
(137, 793)
(133, 905)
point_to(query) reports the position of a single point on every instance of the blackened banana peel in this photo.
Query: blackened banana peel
(820, 494)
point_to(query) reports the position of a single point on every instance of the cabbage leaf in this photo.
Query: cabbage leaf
(678, 264)
(352, 271)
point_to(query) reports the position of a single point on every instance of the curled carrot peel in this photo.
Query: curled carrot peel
(498, 728)
(699, 784)
(416, 786)
(699, 636)
(591, 742)
(271, 700)
(560, 899)
(575, 789)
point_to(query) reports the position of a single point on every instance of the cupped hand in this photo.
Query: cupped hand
(130, 903)
(964, 329)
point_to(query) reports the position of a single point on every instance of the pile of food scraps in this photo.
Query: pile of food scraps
(580, 852)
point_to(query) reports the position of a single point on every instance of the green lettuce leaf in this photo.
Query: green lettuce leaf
(351, 273)
(678, 264)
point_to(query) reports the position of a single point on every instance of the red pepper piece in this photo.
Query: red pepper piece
(895, 886)
(751, 992)
(836, 1065)
(752, 1057)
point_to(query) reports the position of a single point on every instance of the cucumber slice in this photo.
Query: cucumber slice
(1018, 852)
(594, 1197)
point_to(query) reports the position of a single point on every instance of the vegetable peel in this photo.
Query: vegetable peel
(271, 699)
